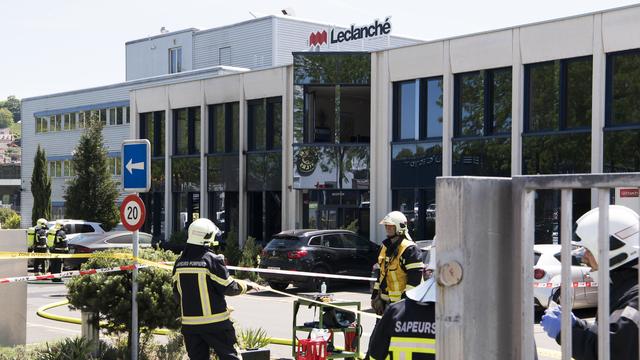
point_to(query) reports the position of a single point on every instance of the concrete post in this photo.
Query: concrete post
(475, 242)
(14, 296)
(90, 329)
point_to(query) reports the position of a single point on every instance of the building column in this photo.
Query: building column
(447, 111)
(517, 104)
(168, 149)
(291, 212)
(380, 147)
(598, 103)
(204, 145)
(242, 181)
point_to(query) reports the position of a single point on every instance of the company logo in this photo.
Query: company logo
(307, 160)
(375, 29)
(318, 38)
(629, 193)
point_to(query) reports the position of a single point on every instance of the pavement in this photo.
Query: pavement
(272, 312)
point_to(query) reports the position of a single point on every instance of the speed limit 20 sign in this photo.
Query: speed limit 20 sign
(132, 212)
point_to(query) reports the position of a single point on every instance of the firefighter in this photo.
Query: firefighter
(407, 329)
(623, 295)
(57, 240)
(200, 283)
(399, 261)
(37, 241)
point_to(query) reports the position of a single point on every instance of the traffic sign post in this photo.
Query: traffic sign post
(136, 177)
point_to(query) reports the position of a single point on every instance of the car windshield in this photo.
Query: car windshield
(536, 257)
(282, 242)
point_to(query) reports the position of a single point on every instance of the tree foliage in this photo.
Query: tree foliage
(40, 188)
(13, 105)
(6, 118)
(92, 193)
(110, 294)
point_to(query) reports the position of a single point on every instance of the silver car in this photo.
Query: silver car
(89, 243)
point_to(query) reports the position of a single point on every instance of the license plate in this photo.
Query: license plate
(273, 268)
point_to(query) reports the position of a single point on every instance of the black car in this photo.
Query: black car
(340, 252)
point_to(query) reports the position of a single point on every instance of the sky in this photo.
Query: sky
(51, 46)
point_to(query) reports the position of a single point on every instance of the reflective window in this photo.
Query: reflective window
(152, 129)
(434, 107)
(353, 112)
(417, 113)
(558, 95)
(418, 205)
(483, 103)
(332, 68)
(185, 176)
(223, 172)
(224, 128)
(257, 125)
(175, 60)
(483, 157)
(406, 110)
(187, 131)
(557, 154)
(623, 80)
(266, 171)
(622, 151)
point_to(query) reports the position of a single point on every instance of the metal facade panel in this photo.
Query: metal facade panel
(250, 45)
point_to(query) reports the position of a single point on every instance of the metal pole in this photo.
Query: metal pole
(134, 302)
(603, 274)
(566, 289)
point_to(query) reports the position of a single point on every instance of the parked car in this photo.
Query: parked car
(547, 269)
(88, 243)
(339, 252)
(74, 227)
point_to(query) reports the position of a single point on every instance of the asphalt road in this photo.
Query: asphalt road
(272, 312)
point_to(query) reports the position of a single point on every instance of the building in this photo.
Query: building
(334, 134)
(56, 121)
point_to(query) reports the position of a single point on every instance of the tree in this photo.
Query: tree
(40, 188)
(92, 193)
(12, 104)
(6, 118)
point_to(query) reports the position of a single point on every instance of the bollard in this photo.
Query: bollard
(90, 329)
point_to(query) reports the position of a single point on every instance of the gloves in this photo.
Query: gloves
(378, 305)
(551, 321)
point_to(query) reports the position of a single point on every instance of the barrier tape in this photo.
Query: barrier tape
(66, 274)
(575, 284)
(7, 255)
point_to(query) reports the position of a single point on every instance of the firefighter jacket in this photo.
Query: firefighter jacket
(400, 269)
(57, 240)
(623, 322)
(407, 330)
(37, 237)
(200, 282)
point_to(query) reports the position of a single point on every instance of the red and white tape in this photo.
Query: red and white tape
(575, 284)
(66, 274)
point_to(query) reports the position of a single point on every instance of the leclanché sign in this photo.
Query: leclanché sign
(375, 29)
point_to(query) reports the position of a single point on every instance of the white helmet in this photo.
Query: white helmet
(623, 234)
(41, 222)
(59, 224)
(425, 292)
(203, 232)
(397, 219)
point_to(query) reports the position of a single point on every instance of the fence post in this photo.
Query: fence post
(475, 310)
(90, 329)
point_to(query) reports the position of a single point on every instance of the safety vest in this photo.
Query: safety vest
(31, 236)
(404, 348)
(392, 273)
(56, 240)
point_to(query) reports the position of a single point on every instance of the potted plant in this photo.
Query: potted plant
(252, 343)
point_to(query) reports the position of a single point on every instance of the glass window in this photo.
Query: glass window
(112, 116)
(578, 98)
(544, 96)
(181, 133)
(194, 131)
(119, 116)
(501, 98)
(623, 78)
(274, 107)
(234, 110)
(406, 112)
(81, 120)
(320, 105)
(56, 122)
(557, 154)
(315, 69)
(72, 121)
(333, 241)
(65, 121)
(67, 168)
(127, 114)
(216, 128)
(58, 168)
(175, 60)
(103, 116)
(622, 151)
(111, 166)
(558, 95)
(118, 161)
(471, 104)
(354, 107)
(434, 107)
(52, 168)
(315, 241)
(257, 125)
(416, 164)
(483, 157)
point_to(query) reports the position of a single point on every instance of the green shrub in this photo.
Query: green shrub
(251, 339)
(109, 295)
(77, 348)
(249, 258)
(12, 222)
(15, 353)
(232, 251)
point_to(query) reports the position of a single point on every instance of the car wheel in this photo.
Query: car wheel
(278, 286)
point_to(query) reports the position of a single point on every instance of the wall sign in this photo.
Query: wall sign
(337, 36)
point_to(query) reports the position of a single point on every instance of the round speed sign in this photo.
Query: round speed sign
(132, 212)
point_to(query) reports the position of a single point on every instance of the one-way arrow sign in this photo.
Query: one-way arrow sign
(136, 158)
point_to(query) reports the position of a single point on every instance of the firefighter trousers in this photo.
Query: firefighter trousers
(199, 343)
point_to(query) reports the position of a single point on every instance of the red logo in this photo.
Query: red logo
(629, 193)
(318, 38)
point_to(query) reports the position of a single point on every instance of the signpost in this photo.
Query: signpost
(136, 177)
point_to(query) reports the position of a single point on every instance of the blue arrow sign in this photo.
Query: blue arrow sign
(136, 165)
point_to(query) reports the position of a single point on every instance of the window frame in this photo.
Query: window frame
(421, 117)
(608, 117)
(562, 99)
(176, 67)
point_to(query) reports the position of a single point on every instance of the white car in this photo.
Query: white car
(547, 269)
(74, 227)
